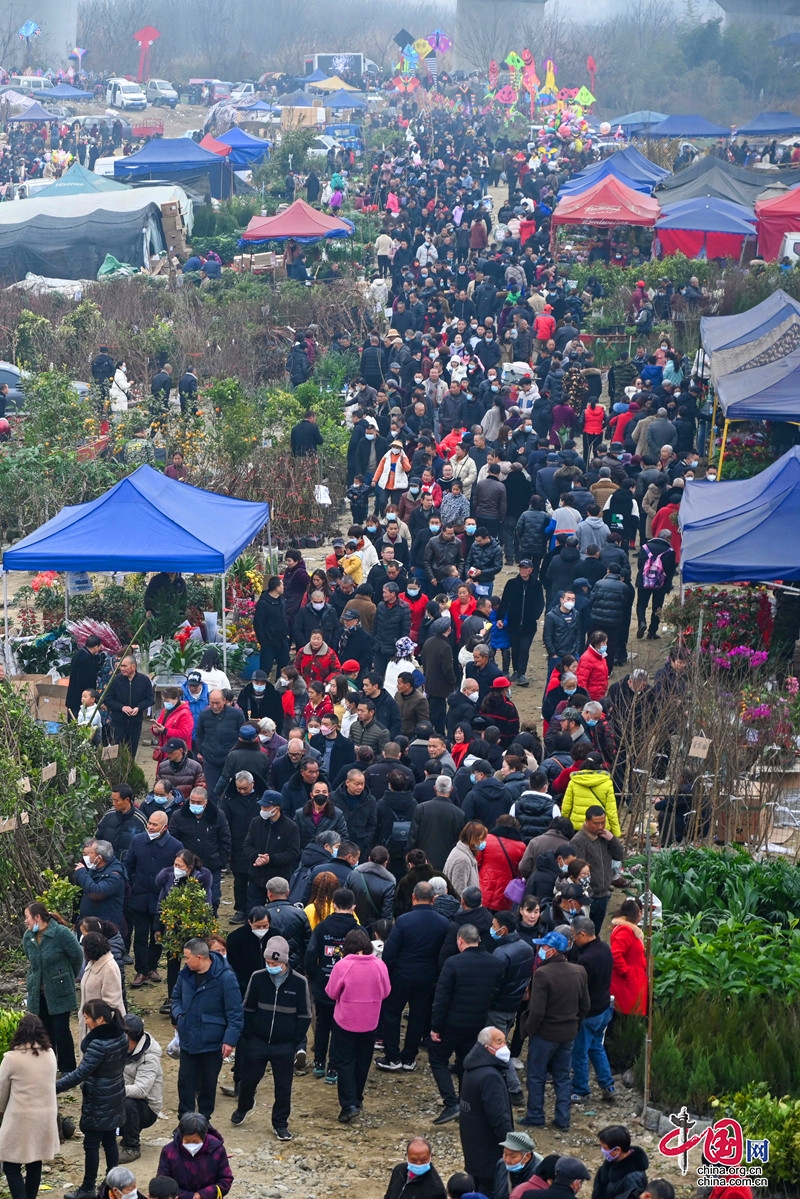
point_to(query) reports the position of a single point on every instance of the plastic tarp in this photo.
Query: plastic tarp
(300, 221)
(768, 124)
(317, 76)
(775, 218)
(710, 176)
(35, 112)
(723, 332)
(344, 100)
(210, 143)
(77, 181)
(167, 526)
(606, 204)
(295, 100)
(629, 166)
(770, 392)
(638, 122)
(707, 226)
(776, 343)
(334, 84)
(65, 91)
(736, 532)
(176, 158)
(688, 125)
(246, 150)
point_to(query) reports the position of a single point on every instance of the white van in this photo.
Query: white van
(159, 91)
(30, 85)
(790, 248)
(122, 93)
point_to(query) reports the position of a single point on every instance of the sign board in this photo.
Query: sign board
(699, 747)
(79, 583)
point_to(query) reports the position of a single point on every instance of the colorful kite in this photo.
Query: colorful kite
(514, 61)
(494, 74)
(439, 41)
(585, 98)
(422, 47)
(145, 37)
(591, 67)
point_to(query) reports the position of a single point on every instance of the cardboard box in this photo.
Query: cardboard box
(51, 700)
(172, 208)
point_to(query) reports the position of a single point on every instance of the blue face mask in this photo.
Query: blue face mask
(481, 845)
(495, 934)
(335, 851)
(603, 650)
(274, 969)
(161, 799)
(513, 1169)
(197, 809)
(570, 692)
(472, 778)
(416, 1170)
(543, 954)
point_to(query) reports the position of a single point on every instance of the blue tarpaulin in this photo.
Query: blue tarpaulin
(770, 124)
(736, 532)
(629, 166)
(724, 332)
(246, 150)
(770, 392)
(65, 91)
(343, 99)
(708, 215)
(145, 522)
(639, 122)
(173, 158)
(688, 125)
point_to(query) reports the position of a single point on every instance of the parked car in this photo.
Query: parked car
(15, 378)
(321, 145)
(30, 85)
(243, 91)
(123, 93)
(104, 124)
(159, 91)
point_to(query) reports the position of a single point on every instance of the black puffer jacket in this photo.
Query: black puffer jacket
(534, 811)
(105, 1050)
(391, 623)
(611, 599)
(209, 835)
(545, 875)
(531, 537)
(561, 570)
(488, 559)
(516, 958)
(625, 1179)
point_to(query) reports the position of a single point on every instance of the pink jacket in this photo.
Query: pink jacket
(359, 984)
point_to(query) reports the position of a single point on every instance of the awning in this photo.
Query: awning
(688, 125)
(300, 221)
(606, 204)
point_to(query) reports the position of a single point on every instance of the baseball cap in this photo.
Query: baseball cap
(134, 1025)
(552, 457)
(351, 614)
(194, 676)
(351, 666)
(520, 1142)
(641, 283)
(501, 682)
(278, 951)
(270, 799)
(337, 541)
(173, 744)
(260, 675)
(248, 732)
(571, 1169)
(554, 941)
(524, 562)
(548, 308)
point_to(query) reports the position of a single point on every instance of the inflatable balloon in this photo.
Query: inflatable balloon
(605, 128)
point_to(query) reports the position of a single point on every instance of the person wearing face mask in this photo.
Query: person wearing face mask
(120, 1183)
(596, 958)
(150, 853)
(102, 879)
(174, 720)
(551, 868)
(161, 798)
(195, 692)
(461, 866)
(562, 633)
(246, 952)
(55, 961)
(485, 1118)
(202, 827)
(416, 1176)
(272, 847)
(186, 865)
(516, 1168)
(624, 1168)
(196, 1158)
(259, 699)
(177, 770)
(464, 468)
(559, 1003)
(593, 666)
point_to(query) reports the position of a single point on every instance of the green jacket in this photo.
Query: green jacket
(55, 963)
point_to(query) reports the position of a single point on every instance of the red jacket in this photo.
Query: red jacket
(593, 673)
(417, 607)
(322, 709)
(629, 972)
(544, 326)
(319, 666)
(498, 863)
(667, 518)
(177, 723)
(594, 420)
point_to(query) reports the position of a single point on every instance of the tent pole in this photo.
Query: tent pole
(66, 597)
(224, 626)
(5, 611)
(711, 430)
(269, 544)
(722, 447)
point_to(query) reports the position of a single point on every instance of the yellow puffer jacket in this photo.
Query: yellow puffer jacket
(586, 788)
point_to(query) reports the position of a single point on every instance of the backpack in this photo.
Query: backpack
(298, 885)
(653, 574)
(397, 841)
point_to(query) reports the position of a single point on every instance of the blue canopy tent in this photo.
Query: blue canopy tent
(65, 91)
(628, 166)
(770, 124)
(317, 76)
(77, 181)
(688, 125)
(256, 106)
(736, 532)
(725, 209)
(638, 122)
(34, 112)
(343, 99)
(724, 332)
(145, 522)
(176, 159)
(295, 100)
(246, 150)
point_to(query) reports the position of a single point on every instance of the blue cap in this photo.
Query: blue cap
(248, 732)
(270, 799)
(554, 941)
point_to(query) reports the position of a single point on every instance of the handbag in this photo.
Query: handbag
(515, 889)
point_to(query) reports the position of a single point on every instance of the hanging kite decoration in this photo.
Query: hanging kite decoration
(145, 37)
(439, 41)
(494, 74)
(422, 47)
(584, 98)
(591, 67)
(26, 33)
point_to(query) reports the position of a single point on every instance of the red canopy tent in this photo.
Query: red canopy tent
(300, 221)
(608, 203)
(211, 143)
(776, 217)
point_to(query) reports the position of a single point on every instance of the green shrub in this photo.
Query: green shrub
(185, 913)
(763, 1115)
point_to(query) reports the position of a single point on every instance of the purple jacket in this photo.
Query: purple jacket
(201, 1174)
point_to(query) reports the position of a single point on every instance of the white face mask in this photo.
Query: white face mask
(154, 836)
(179, 874)
(193, 1149)
(503, 1054)
(260, 932)
(568, 605)
(87, 861)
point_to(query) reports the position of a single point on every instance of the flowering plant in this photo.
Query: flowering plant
(733, 617)
(745, 456)
(740, 655)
